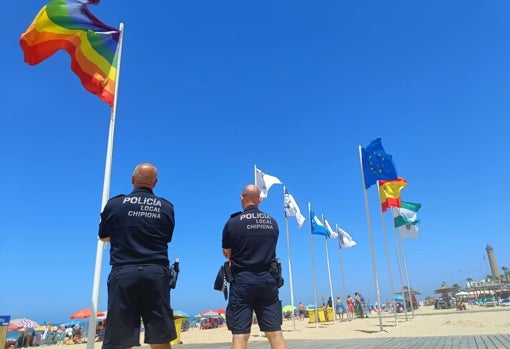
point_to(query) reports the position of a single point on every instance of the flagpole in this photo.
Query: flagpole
(329, 274)
(313, 267)
(254, 174)
(329, 269)
(399, 269)
(91, 335)
(340, 258)
(372, 248)
(407, 275)
(290, 264)
(388, 259)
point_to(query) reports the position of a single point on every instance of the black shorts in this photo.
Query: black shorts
(254, 292)
(138, 292)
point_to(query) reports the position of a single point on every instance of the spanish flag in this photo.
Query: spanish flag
(389, 193)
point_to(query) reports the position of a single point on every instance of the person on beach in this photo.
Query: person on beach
(340, 309)
(350, 307)
(302, 311)
(249, 242)
(139, 226)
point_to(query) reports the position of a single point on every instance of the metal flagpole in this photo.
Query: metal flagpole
(313, 267)
(372, 248)
(329, 274)
(106, 193)
(388, 259)
(329, 269)
(340, 258)
(407, 276)
(400, 271)
(290, 266)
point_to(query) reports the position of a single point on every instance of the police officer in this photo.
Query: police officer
(249, 242)
(139, 227)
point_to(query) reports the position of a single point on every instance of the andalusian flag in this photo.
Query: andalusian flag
(93, 46)
(389, 193)
(406, 219)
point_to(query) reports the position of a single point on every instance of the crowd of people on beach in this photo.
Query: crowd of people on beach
(353, 307)
(63, 334)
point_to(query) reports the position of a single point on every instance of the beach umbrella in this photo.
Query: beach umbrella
(220, 311)
(180, 313)
(24, 323)
(209, 313)
(72, 323)
(12, 327)
(84, 314)
(288, 307)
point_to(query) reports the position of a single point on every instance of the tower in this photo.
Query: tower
(493, 263)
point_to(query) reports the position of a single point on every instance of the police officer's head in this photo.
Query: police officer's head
(250, 196)
(145, 175)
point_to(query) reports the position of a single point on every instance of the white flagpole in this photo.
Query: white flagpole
(329, 274)
(91, 335)
(313, 267)
(290, 265)
(399, 270)
(372, 248)
(340, 258)
(388, 259)
(255, 174)
(329, 269)
(407, 276)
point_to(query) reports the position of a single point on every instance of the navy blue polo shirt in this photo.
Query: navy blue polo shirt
(252, 235)
(140, 226)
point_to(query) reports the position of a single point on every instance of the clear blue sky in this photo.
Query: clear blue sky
(210, 89)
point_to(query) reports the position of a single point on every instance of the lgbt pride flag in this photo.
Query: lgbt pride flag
(93, 46)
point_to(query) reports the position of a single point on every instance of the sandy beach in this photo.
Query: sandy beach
(425, 322)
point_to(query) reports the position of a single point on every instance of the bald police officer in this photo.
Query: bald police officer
(139, 227)
(249, 242)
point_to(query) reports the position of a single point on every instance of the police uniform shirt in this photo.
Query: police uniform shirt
(252, 235)
(140, 226)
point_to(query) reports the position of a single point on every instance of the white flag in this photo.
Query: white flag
(292, 209)
(332, 233)
(264, 182)
(344, 239)
(409, 230)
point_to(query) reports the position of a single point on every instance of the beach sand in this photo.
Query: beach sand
(425, 322)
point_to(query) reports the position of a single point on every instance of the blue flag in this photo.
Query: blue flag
(317, 227)
(377, 164)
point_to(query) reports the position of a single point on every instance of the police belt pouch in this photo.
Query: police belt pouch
(276, 270)
(224, 275)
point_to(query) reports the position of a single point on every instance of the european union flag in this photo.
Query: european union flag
(377, 164)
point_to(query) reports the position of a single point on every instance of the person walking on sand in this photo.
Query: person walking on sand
(249, 242)
(350, 307)
(302, 311)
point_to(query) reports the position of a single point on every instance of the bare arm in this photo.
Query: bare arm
(107, 239)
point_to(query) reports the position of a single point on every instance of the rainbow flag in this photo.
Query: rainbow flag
(93, 46)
